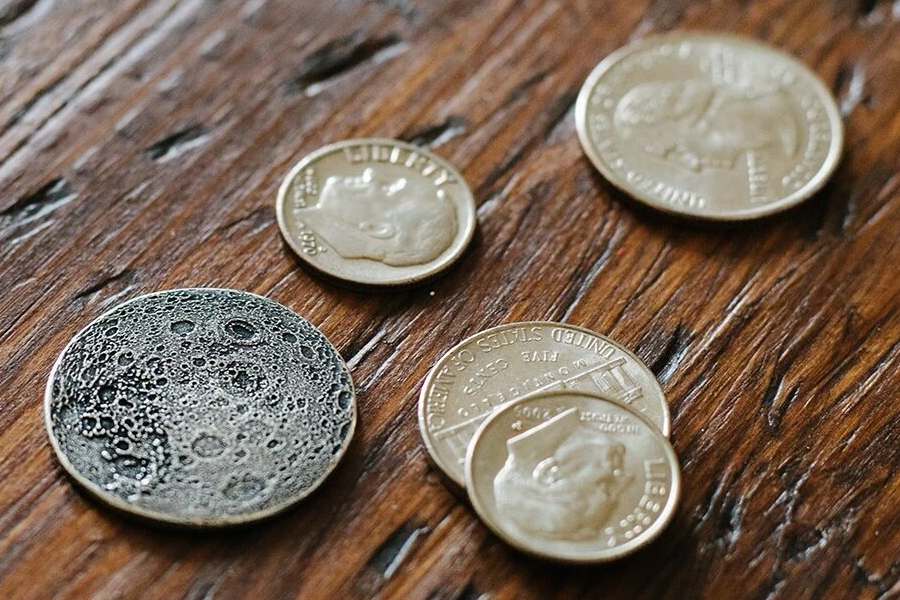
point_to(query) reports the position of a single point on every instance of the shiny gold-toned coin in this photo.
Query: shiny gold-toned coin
(511, 361)
(572, 477)
(376, 212)
(709, 126)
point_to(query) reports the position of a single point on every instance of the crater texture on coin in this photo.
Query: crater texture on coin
(508, 362)
(709, 126)
(572, 477)
(376, 212)
(200, 407)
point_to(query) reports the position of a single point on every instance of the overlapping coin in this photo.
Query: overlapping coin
(709, 126)
(558, 435)
(376, 212)
(572, 477)
(200, 407)
(512, 361)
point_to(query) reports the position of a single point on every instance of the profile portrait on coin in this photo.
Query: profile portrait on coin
(399, 221)
(710, 123)
(561, 480)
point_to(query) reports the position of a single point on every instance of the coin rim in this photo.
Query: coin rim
(432, 374)
(823, 175)
(460, 245)
(605, 555)
(122, 505)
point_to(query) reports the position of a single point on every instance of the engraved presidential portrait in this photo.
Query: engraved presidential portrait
(399, 221)
(561, 480)
(711, 126)
(376, 212)
(713, 122)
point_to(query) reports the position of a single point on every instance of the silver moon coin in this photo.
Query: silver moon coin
(709, 126)
(376, 212)
(200, 407)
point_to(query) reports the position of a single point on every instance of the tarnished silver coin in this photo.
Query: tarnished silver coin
(515, 360)
(572, 477)
(709, 126)
(202, 407)
(376, 212)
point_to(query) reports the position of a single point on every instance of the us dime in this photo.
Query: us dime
(572, 477)
(709, 126)
(508, 362)
(376, 212)
(202, 407)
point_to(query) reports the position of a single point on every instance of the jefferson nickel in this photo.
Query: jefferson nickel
(709, 126)
(376, 212)
(517, 360)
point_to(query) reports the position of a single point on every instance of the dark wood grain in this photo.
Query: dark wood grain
(141, 145)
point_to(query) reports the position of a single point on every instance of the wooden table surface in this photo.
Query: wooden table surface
(141, 147)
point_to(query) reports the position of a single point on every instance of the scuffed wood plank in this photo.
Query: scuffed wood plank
(145, 154)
